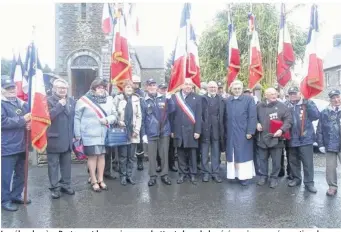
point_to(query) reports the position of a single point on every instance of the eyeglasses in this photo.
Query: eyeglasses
(100, 87)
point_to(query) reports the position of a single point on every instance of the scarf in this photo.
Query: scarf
(128, 116)
(99, 99)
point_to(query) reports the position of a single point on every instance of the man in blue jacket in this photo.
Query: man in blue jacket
(15, 119)
(303, 112)
(329, 138)
(156, 130)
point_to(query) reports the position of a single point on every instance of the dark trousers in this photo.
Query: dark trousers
(160, 147)
(126, 159)
(302, 154)
(62, 162)
(110, 158)
(256, 158)
(287, 151)
(187, 160)
(9, 164)
(139, 149)
(264, 155)
(215, 155)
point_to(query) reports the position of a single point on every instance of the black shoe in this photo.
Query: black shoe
(311, 188)
(273, 183)
(193, 179)
(151, 182)
(109, 177)
(158, 169)
(55, 194)
(20, 201)
(294, 183)
(123, 181)
(131, 180)
(245, 182)
(262, 180)
(281, 173)
(173, 168)
(139, 163)
(9, 206)
(289, 177)
(217, 179)
(165, 179)
(181, 179)
(68, 191)
(205, 178)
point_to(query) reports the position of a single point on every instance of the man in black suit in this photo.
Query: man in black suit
(186, 129)
(59, 139)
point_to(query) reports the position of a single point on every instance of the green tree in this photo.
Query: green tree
(213, 42)
(6, 66)
(168, 68)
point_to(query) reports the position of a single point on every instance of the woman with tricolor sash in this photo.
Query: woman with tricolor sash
(93, 114)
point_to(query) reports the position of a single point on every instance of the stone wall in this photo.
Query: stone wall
(333, 83)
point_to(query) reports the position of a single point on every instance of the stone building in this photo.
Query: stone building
(84, 52)
(332, 67)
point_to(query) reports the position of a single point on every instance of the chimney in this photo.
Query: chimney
(337, 40)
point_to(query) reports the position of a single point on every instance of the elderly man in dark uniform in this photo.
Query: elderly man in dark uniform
(15, 119)
(303, 112)
(212, 137)
(329, 139)
(269, 142)
(186, 129)
(59, 139)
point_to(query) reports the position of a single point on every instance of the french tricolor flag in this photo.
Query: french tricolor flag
(186, 58)
(285, 56)
(106, 19)
(313, 80)
(120, 62)
(256, 66)
(37, 101)
(19, 80)
(233, 55)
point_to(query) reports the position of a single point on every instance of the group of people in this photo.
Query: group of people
(196, 128)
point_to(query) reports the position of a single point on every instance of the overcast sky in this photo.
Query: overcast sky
(159, 24)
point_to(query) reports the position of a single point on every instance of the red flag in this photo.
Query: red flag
(285, 57)
(120, 63)
(256, 66)
(185, 59)
(106, 19)
(233, 60)
(40, 116)
(313, 81)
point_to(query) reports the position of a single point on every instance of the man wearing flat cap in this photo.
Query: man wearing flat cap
(329, 138)
(302, 133)
(15, 119)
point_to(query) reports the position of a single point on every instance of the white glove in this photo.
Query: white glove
(168, 96)
(145, 139)
(315, 144)
(322, 150)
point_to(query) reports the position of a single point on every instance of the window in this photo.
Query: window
(327, 79)
(83, 11)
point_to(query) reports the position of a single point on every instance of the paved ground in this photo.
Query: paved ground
(205, 205)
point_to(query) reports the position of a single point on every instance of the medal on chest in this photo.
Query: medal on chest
(18, 111)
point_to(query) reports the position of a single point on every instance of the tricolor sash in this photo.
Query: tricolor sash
(95, 107)
(185, 107)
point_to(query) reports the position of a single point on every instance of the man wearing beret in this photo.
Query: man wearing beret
(15, 119)
(329, 138)
(302, 133)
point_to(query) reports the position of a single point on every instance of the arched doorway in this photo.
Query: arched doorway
(84, 66)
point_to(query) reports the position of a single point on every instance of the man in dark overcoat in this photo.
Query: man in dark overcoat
(59, 139)
(212, 136)
(186, 129)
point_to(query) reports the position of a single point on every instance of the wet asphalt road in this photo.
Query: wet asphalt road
(228, 205)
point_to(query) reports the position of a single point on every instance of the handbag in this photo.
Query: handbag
(78, 149)
(116, 137)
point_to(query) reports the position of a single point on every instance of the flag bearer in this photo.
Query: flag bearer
(156, 130)
(15, 119)
(329, 138)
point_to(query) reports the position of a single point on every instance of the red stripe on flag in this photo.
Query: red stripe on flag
(256, 68)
